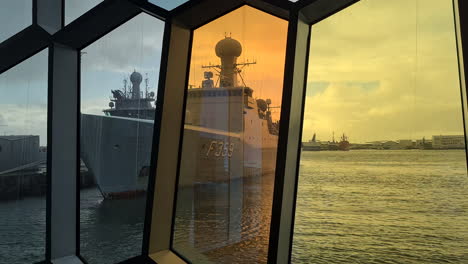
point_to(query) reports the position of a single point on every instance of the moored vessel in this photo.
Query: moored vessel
(228, 134)
(312, 145)
(343, 145)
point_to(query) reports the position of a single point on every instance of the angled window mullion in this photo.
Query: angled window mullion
(176, 46)
(22, 46)
(49, 15)
(289, 140)
(156, 136)
(461, 31)
(62, 153)
(288, 157)
(46, 20)
(62, 165)
(165, 167)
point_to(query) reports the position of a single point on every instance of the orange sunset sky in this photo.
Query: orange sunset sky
(263, 39)
(379, 70)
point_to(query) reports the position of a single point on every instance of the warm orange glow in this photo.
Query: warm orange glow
(263, 39)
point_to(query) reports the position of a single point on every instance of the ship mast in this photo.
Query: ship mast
(228, 50)
(218, 68)
(146, 85)
(125, 86)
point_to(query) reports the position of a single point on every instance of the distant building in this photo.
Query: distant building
(405, 144)
(423, 143)
(364, 146)
(18, 151)
(390, 145)
(448, 142)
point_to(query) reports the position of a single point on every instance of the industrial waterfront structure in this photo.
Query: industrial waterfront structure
(59, 239)
(19, 152)
(441, 142)
(448, 142)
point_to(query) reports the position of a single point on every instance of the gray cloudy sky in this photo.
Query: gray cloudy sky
(15, 15)
(23, 98)
(135, 45)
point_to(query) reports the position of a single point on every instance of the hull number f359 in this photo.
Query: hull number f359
(220, 149)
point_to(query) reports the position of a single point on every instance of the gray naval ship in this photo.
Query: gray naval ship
(228, 134)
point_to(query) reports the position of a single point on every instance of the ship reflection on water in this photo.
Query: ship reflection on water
(212, 230)
(110, 230)
(206, 225)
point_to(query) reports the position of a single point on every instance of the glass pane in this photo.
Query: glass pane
(383, 176)
(119, 74)
(76, 8)
(23, 153)
(230, 139)
(14, 17)
(168, 4)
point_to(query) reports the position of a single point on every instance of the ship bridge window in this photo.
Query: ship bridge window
(378, 176)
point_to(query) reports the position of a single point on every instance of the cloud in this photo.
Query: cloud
(253, 29)
(74, 9)
(14, 17)
(135, 44)
(34, 69)
(23, 104)
(384, 70)
(314, 88)
(31, 120)
(95, 106)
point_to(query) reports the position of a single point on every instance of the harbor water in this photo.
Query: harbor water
(382, 206)
(360, 206)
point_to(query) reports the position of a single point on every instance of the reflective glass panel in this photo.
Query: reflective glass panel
(76, 8)
(230, 139)
(119, 76)
(23, 153)
(14, 17)
(168, 4)
(383, 176)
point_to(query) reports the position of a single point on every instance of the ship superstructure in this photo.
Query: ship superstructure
(333, 145)
(116, 147)
(312, 145)
(344, 143)
(131, 102)
(228, 134)
(232, 133)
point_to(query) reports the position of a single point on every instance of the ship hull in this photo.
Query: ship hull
(308, 147)
(117, 152)
(343, 146)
